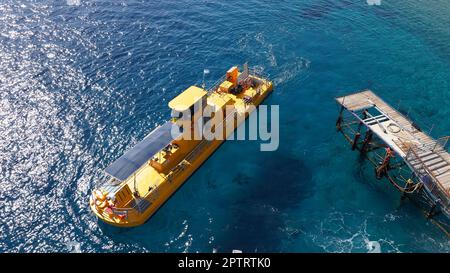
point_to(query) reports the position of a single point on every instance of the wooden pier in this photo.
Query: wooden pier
(414, 162)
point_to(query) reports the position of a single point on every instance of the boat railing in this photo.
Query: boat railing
(252, 72)
(216, 84)
(130, 211)
(133, 210)
(108, 183)
(203, 144)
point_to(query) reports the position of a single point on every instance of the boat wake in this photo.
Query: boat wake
(268, 49)
(183, 236)
(281, 70)
(292, 69)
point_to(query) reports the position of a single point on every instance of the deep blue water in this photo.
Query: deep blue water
(81, 81)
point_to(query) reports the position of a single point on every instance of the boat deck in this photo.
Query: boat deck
(422, 153)
(140, 185)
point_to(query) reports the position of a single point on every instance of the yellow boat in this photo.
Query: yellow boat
(139, 182)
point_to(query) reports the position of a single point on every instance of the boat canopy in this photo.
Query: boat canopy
(133, 159)
(189, 97)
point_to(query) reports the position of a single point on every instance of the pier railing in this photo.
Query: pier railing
(417, 122)
(441, 144)
(434, 145)
(427, 177)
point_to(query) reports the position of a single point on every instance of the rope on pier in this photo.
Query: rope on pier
(405, 189)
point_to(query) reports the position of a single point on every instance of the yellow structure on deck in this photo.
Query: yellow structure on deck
(186, 99)
(142, 179)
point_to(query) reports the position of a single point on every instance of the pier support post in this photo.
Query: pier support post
(339, 120)
(431, 211)
(382, 169)
(367, 139)
(355, 140)
(364, 117)
(408, 183)
(403, 197)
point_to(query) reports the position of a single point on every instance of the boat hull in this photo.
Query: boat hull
(163, 193)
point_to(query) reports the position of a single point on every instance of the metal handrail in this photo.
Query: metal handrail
(252, 72)
(205, 141)
(216, 84)
(425, 168)
(425, 127)
(442, 142)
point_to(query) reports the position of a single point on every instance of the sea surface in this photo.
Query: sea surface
(81, 81)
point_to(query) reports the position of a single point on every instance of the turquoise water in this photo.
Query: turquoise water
(82, 81)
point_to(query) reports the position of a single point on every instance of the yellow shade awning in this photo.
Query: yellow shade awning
(186, 99)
